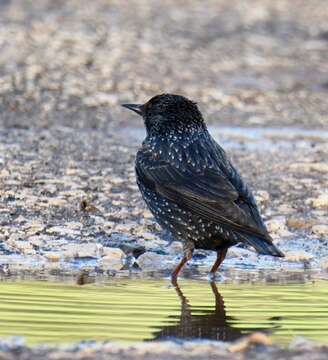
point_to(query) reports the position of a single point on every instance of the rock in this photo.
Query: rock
(82, 250)
(320, 229)
(255, 338)
(147, 214)
(115, 253)
(34, 227)
(262, 196)
(113, 259)
(277, 224)
(52, 256)
(299, 223)
(300, 342)
(176, 248)
(157, 245)
(125, 227)
(153, 261)
(148, 236)
(63, 231)
(297, 256)
(236, 252)
(285, 209)
(320, 202)
(24, 247)
(56, 202)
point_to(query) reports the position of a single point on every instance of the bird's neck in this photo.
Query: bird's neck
(176, 130)
(168, 136)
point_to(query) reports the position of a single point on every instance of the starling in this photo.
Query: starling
(191, 187)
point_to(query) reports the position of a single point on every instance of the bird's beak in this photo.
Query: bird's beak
(138, 108)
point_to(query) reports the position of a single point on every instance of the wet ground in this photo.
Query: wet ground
(69, 205)
(68, 199)
(69, 202)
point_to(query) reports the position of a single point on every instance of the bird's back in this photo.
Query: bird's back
(195, 192)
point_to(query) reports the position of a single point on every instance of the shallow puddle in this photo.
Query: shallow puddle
(134, 310)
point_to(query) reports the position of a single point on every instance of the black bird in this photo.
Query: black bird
(190, 185)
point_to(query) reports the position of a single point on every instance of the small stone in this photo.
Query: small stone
(262, 196)
(81, 250)
(115, 253)
(125, 228)
(147, 214)
(57, 202)
(153, 261)
(24, 246)
(299, 223)
(113, 258)
(320, 202)
(276, 224)
(34, 227)
(297, 256)
(52, 256)
(63, 231)
(320, 229)
(244, 343)
(176, 248)
(148, 236)
(299, 342)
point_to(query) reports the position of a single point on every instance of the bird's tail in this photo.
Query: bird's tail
(265, 247)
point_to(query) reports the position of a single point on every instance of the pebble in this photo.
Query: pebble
(297, 256)
(176, 248)
(55, 151)
(299, 223)
(52, 256)
(277, 224)
(149, 236)
(320, 229)
(81, 250)
(261, 196)
(62, 230)
(153, 261)
(113, 259)
(320, 202)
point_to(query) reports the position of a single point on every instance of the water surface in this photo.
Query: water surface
(136, 310)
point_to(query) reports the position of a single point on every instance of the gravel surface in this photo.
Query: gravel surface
(71, 62)
(256, 346)
(68, 199)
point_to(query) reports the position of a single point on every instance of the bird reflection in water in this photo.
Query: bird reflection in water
(214, 325)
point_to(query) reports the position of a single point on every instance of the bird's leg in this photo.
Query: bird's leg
(187, 256)
(219, 258)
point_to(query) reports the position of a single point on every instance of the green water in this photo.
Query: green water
(134, 310)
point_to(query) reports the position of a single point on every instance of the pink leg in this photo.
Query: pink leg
(219, 259)
(175, 273)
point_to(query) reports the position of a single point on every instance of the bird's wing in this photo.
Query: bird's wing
(205, 191)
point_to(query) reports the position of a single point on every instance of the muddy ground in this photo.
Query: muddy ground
(68, 199)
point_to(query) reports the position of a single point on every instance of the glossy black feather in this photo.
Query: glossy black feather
(192, 188)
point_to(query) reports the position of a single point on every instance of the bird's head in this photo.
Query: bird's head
(167, 111)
